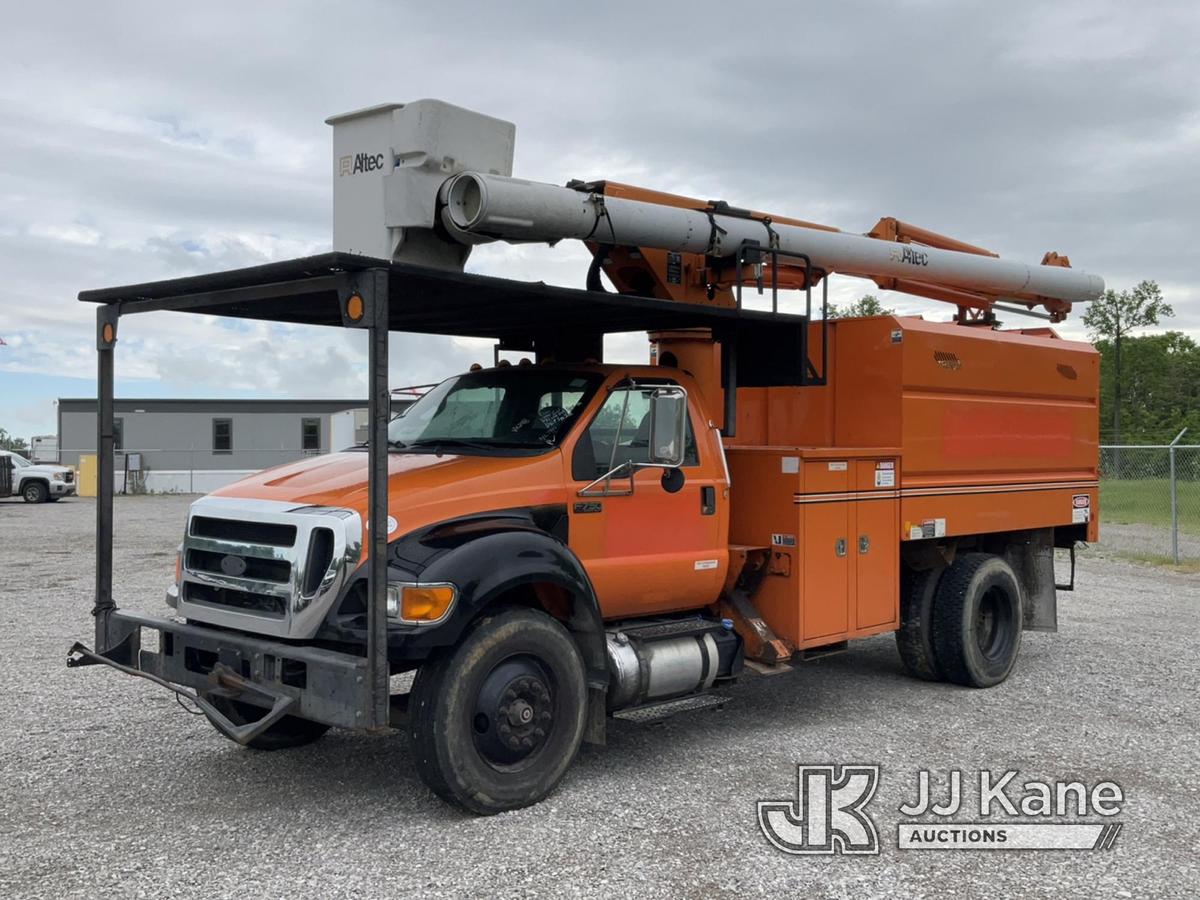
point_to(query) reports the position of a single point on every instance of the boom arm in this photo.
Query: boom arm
(425, 181)
(894, 255)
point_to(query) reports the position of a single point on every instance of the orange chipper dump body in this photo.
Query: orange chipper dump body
(923, 430)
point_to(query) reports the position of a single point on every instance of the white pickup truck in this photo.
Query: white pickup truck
(38, 483)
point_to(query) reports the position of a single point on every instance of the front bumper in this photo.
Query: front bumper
(62, 488)
(311, 682)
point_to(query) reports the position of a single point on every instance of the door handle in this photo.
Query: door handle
(708, 500)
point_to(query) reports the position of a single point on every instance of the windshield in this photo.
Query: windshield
(19, 462)
(515, 408)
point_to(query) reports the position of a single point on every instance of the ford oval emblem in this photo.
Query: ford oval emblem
(233, 565)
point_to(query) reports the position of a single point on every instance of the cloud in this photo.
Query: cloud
(158, 140)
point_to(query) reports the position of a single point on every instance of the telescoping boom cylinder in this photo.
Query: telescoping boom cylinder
(482, 206)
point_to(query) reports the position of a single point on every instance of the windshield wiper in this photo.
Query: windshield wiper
(472, 443)
(450, 442)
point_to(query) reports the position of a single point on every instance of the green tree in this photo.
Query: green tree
(1116, 314)
(866, 305)
(1160, 387)
(15, 444)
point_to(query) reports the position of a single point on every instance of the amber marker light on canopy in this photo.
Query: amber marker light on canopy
(354, 308)
(420, 603)
(107, 332)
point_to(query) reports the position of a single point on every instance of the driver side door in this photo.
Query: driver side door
(652, 550)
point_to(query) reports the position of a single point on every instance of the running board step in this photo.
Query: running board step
(671, 628)
(659, 712)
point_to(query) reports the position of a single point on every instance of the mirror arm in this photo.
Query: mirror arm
(607, 478)
(612, 457)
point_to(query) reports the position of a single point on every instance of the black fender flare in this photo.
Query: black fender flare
(487, 567)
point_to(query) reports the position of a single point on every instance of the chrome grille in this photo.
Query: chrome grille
(265, 566)
(273, 534)
(234, 599)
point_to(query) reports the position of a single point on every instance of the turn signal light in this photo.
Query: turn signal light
(420, 603)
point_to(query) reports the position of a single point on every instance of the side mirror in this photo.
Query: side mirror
(668, 426)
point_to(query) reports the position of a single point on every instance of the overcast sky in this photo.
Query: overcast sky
(171, 139)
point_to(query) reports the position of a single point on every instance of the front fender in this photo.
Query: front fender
(487, 567)
(484, 561)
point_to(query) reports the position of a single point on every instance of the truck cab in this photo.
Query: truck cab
(594, 457)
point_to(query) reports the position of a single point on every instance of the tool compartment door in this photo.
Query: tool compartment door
(876, 545)
(827, 572)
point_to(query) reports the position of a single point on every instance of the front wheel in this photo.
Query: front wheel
(35, 492)
(496, 722)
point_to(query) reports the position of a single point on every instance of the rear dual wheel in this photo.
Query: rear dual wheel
(962, 624)
(914, 638)
(497, 721)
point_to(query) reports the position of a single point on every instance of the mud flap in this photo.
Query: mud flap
(1032, 559)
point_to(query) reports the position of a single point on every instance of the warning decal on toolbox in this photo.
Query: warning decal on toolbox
(1081, 508)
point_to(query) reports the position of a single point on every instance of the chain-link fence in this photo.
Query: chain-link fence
(1150, 499)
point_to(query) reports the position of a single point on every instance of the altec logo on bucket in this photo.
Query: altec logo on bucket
(359, 162)
(829, 814)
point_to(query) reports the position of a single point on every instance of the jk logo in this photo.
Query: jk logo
(827, 815)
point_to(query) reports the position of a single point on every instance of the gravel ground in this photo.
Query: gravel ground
(109, 787)
(1136, 538)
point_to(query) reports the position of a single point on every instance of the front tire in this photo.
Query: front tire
(496, 722)
(35, 492)
(290, 731)
(977, 620)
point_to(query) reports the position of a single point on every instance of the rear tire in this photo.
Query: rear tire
(977, 620)
(35, 492)
(914, 638)
(496, 722)
(290, 731)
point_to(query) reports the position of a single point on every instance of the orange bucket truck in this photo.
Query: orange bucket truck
(553, 543)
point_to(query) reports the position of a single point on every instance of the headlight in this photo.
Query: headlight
(420, 604)
(57, 476)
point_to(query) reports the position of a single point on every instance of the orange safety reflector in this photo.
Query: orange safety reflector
(355, 308)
